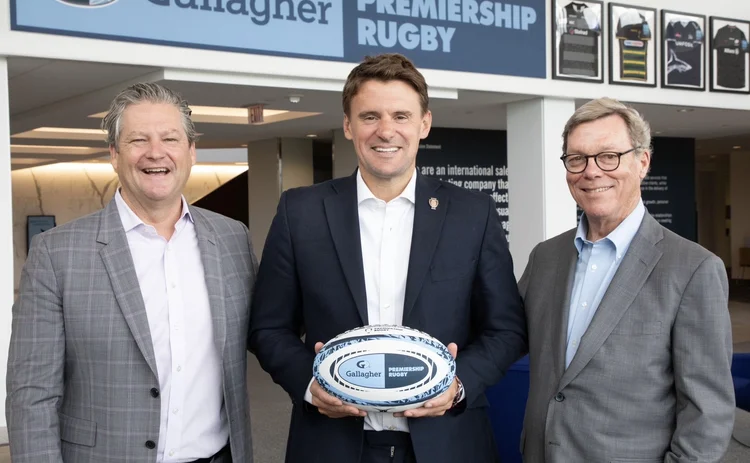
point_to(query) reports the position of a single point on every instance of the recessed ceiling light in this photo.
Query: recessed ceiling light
(63, 133)
(685, 110)
(311, 135)
(233, 115)
(243, 146)
(657, 132)
(736, 147)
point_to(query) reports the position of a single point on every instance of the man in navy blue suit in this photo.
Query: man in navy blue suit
(387, 246)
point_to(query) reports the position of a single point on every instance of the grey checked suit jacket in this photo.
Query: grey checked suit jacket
(81, 364)
(651, 379)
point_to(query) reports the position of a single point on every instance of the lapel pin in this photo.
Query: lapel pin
(434, 203)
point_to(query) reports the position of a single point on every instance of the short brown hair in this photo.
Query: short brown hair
(385, 67)
(638, 129)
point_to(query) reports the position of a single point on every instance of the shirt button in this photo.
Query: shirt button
(593, 267)
(575, 343)
(174, 285)
(171, 452)
(179, 368)
(391, 428)
(175, 410)
(585, 304)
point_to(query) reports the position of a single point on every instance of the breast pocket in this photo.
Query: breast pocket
(77, 430)
(637, 328)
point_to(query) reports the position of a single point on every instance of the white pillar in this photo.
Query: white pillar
(274, 165)
(344, 156)
(540, 204)
(6, 239)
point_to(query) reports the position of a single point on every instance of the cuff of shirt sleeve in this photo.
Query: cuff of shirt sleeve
(308, 394)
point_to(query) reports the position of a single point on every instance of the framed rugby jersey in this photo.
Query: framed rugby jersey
(577, 47)
(683, 54)
(632, 50)
(729, 56)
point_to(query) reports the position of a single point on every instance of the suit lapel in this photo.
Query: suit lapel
(637, 265)
(428, 225)
(211, 260)
(119, 264)
(564, 278)
(343, 221)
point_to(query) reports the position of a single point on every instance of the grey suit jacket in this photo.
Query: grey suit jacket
(651, 379)
(81, 363)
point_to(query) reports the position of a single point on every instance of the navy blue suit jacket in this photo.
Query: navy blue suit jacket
(460, 288)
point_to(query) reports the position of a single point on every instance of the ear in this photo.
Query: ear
(347, 127)
(113, 154)
(192, 154)
(426, 125)
(645, 162)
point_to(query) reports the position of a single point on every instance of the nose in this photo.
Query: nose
(592, 170)
(156, 149)
(385, 129)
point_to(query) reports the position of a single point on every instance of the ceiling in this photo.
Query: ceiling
(55, 93)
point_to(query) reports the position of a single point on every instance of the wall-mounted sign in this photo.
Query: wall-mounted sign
(729, 55)
(632, 47)
(683, 54)
(577, 44)
(460, 35)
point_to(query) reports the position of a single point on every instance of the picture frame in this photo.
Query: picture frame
(36, 224)
(729, 68)
(578, 40)
(632, 45)
(684, 42)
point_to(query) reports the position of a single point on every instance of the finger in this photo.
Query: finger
(319, 393)
(453, 349)
(425, 412)
(319, 345)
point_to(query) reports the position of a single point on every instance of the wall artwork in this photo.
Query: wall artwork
(577, 45)
(729, 56)
(632, 45)
(683, 57)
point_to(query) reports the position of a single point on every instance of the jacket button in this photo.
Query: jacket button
(154, 392)
(150, 444)
(560, 397)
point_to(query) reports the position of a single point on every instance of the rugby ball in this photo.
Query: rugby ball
(384, 368)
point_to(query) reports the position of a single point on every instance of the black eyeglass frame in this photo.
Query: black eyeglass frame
(596, 160)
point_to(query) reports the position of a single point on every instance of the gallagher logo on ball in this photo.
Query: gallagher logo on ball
(88, 3)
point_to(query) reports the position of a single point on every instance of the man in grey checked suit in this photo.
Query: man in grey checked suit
(129, 335)
(629, 330)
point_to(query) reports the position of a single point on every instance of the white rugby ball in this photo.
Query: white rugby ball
(384, 368)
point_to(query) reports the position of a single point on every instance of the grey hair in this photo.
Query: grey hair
(638, 129)
(142, 93)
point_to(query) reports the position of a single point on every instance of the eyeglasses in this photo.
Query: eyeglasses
(607, 161)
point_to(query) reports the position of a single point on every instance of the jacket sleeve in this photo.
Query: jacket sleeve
(276, 320)
(497, 315)
(702, 359)
(36, 362)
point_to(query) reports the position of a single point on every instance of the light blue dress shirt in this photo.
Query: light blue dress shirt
(596, 266)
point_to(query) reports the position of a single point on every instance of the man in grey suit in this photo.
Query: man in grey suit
(629, 331)
(129, 339)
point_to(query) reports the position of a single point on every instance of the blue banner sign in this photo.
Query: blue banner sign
(459, 35)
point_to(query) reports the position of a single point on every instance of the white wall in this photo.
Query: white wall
(740, 199)
(344, 156)
(296, 163)
(6, 236)
(70, 191)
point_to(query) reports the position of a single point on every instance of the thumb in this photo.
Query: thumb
(319, 345)
(453, 349)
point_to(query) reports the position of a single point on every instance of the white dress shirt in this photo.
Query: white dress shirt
(170, 274)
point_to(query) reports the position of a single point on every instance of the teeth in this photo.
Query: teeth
(599, 190)
(386, 150)
(156, 170)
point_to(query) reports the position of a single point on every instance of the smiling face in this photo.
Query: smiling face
(386, 124)
(607, 198)
(153, 157)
